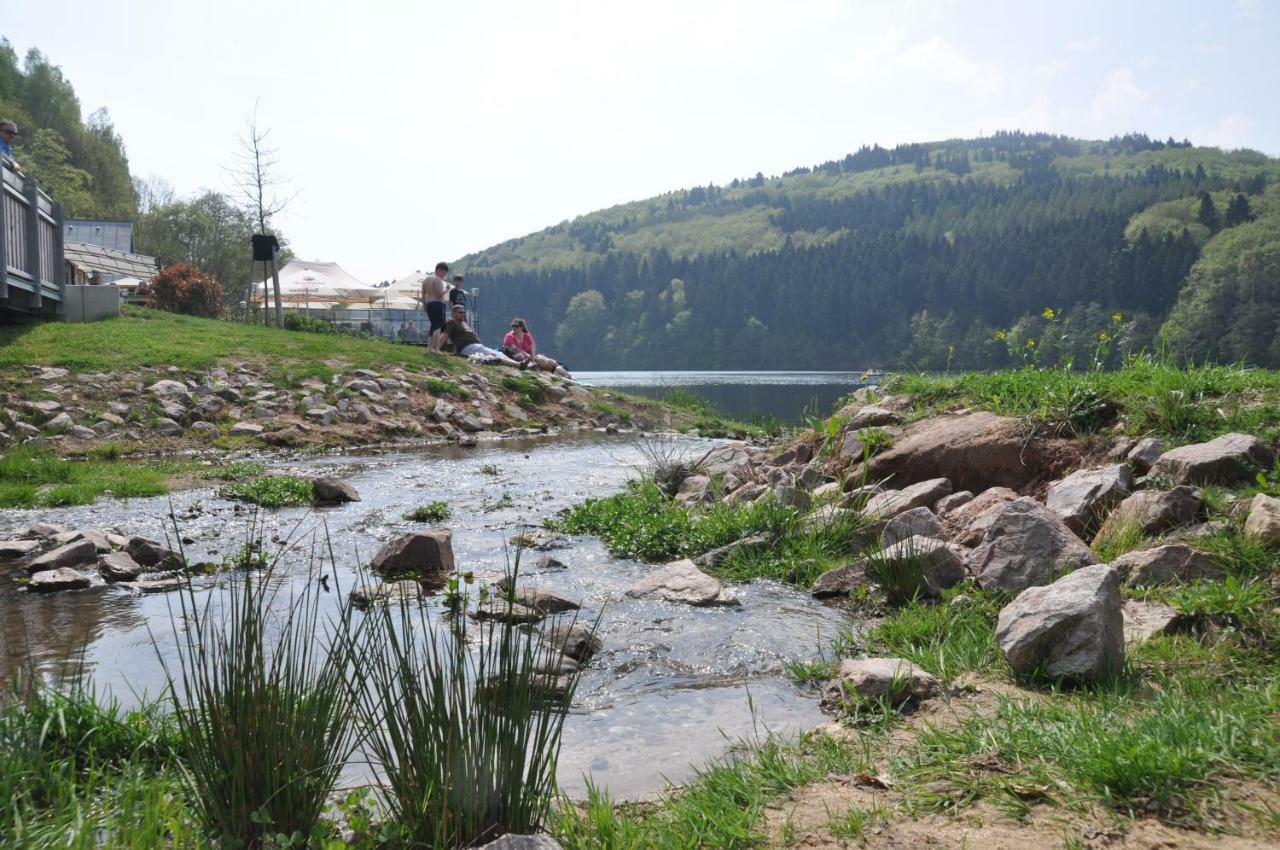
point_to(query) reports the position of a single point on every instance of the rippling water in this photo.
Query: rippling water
(670, 686)
(786, 396)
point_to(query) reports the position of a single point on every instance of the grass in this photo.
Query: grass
(430, 512)
(528, 388)
(33, 477)
(271, 491)
(440, 386)
(142, 337)
(263, 710)
(459, 712)
(1152, 395)
(643, 523)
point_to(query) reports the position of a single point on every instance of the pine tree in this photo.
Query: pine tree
(1238, 211)
(1208, 215)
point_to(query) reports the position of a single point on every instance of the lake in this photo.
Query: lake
(786, 396)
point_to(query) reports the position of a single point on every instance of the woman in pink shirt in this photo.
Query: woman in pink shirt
(518, 344)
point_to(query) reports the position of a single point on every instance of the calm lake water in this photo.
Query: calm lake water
(786, 396)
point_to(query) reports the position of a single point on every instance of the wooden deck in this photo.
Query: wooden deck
(32, 272)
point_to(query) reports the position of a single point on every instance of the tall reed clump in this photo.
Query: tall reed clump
(262, 707)
(464, 727)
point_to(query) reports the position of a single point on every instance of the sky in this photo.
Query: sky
(418, 131)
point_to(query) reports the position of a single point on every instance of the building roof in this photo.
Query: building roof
(109, 261)
(108, 234)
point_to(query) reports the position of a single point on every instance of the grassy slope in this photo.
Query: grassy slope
(152, 338)
(642, 226)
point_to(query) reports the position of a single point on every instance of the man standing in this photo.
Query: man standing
(8, 132)
(434, 290)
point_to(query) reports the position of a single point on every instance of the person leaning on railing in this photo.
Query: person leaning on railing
(8, 132)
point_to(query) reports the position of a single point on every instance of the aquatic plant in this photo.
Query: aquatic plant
(271, 491)
(430, 512)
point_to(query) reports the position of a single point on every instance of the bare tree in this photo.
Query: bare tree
(259, 186)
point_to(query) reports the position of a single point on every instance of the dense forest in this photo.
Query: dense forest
(979, 253)
(81, 162)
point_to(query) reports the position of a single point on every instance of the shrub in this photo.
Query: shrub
(182, 288)
(307, 324)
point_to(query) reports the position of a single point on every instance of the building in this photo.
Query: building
(117, 235)
(90, 264)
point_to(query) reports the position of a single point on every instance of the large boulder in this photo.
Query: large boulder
(1144, 455)
(922, 494)
(894, 680)
(917, 522)
(544, 601)
(1071, 629)
(419, 553)
(1168, 564)
(1263, 521)
(682, 581)
(1157, 511)
(736, 458)
(1026, 545)
(576, 641)
(1226, 460)
(1083, 498)
(695, 489)
(974, 450)
(154, 555)
(17, 548)
(873, 416)
(78, 553)
(62, 578)
(333, 491)
(118, 566)
(367, 595)
(969, 522)
(894, 568)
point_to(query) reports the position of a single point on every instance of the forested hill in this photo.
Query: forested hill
(974, 253)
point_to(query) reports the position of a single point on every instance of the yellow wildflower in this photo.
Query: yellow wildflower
(1049, 314)
(1103, 336)
(1117, 318)
(1001, 336)
(1031, 343)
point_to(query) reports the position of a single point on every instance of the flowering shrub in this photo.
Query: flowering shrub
(182, 288)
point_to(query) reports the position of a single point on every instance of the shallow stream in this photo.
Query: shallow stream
(672, 687)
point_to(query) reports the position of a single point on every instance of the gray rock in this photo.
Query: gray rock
(1226, 460)
(1263, 521)
(62, 578)
(333, 491)
(206, 429)
(735, 458)
(173, 411)
(419, 553)
(840, 582)
(539, 539)
(58, 424)
(895, 680)
(1167, 564)
(1144, 455)
(917, 522)
(947, 504)
(154, 585)
(544, 601)
(43, 531)
(80, 432)
(511, 841)
(1026, 545)
(1143, 620)
(96, 536)
(546, 562)
(245, 429)
(574, 640)
(506, 612)
(1071, 629)
(791, 496)
(1083, 498)
(893, 502)
(323, 415)
(970, 521)
(18, 548)
(371, 594)
(118, 566)
(79, 553)
(23, 431)
(873, 416)
(1157, 511)
(682, 581)
(830, 490)
(941, 566)
(170, 390)
(154, 555)
(469, 423)
(167, 427)
(715, 556)
(695, 489)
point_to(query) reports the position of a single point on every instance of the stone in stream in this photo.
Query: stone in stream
(863, 680)
(546, 562)
(1026, 545)
(1168, 564)
(1071, 629)
(682, 581)
(1225, 460)
(839, 582)
(96, 536)
(78, 553)
(154, 555)
(371, 594)
(118, 566)
(576, 641)
(419, 553)
(544, 601)
(61, 578)
(506, 612)
(512, 841)
(154, 585)
(18, 548)
(539, 539)
(43, 531)
(333, 491)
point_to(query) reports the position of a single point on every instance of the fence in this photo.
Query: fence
(31, 258)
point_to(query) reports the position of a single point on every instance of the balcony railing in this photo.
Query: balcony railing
(31, 256)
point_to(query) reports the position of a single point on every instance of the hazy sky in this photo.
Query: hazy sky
(420, 131)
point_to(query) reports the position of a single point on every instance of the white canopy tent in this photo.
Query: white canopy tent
(309, 283)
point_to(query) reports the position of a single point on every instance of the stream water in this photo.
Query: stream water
(672, 687)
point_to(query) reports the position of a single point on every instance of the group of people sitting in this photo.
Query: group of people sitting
(441, 299)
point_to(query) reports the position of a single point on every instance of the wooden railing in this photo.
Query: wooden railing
(31, 259)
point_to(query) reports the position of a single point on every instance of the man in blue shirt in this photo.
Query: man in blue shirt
(8, 132)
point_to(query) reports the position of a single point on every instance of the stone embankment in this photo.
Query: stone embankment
(159, 409)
